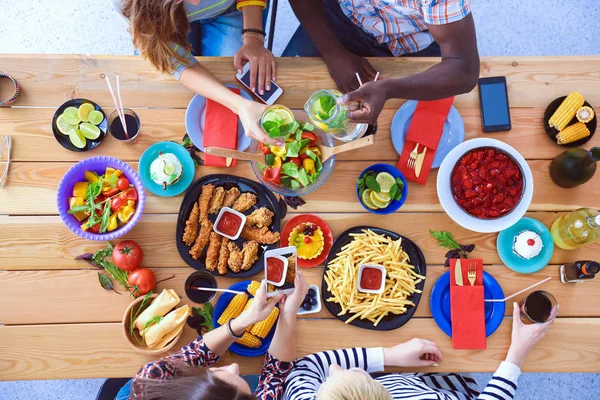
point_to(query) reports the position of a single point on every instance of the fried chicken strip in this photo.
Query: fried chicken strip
(223, 256)
(250, 255)
(260, 218)
(204, 200)
(202, 239)
(235, 257)
(261, 235)
(217, 200)
(231, 196)
(290, 277)
(191, 226)
(244, 202)
(212, 254)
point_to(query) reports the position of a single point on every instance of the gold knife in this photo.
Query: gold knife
(419, 163)
(458, 273)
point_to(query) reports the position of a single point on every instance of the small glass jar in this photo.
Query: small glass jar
(132, 122)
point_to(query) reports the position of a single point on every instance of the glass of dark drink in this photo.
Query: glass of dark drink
(132, 122)
(199, 280)
(539, 307)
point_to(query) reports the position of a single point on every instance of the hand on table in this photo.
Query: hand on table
(262, 64)
(525, 337)
(261, 306)
(292, 302)
(343, 68)
(370, 98)
(250, 113)
(414, 353)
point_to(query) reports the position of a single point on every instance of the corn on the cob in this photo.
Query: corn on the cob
(253, 287)
(585, 114)
(573, 133)
(234, 309)
(566, 111)
(249, 340)
(262, 328)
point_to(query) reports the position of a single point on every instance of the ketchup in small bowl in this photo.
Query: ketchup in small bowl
(371, 278)
(229, 223)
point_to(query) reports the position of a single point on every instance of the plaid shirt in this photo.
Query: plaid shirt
(401, 23)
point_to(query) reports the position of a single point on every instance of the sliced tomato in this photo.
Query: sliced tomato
(129, 194)
(95, 228)
(110, 192)
(310, 136)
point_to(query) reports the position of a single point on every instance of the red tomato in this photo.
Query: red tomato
(310, 136)
(142, 281)
(122, 183)
(127, 255)
(265, 149)
(116, 202)
(110, 192)
(295, 160)
(95, 228)
(302, 157)
(129, 194)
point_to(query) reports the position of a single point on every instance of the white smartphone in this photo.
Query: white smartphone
(280, 270)
(270, 96)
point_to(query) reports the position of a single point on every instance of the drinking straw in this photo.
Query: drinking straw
(121, 106)
(116, 104)
(376, 76)
(518, 293)
(215, 290)
(358, 77)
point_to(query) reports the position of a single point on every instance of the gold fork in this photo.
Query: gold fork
(412, 158)
(472, 272)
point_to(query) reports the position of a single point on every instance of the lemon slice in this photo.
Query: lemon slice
(95, 117)
(382, 197)
(321, 125)
(77, 138)
(84, 111)
(273, 116)
(90, 131)
(63, 126)
(366, 198)
(376, 202)
(386, 181)
(71, 115)
(286, 117)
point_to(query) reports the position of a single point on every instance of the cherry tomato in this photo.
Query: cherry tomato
(310, 136)
(296, 160)
(110, 192)
(142, 281)
(129, 194)
(122, 183)
(127, 255)
(100, 198)
(95, 228)
(116, 203)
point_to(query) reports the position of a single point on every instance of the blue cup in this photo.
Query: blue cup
(395, 204)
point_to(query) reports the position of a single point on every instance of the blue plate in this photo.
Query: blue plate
(151, 153)
(194, 121)
(220, 307)
(440, 303)
(511, 260)
(453, 135)
(395, 204)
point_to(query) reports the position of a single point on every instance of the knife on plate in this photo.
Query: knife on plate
(419, 163)
(458, 273)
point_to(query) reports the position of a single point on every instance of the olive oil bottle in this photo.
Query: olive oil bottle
(576, 229)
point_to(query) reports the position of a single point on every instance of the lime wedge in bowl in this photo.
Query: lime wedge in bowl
(84, 111)
(63, 126)
(90, 131)
(95, 117)
(77, 138)
(71, 115)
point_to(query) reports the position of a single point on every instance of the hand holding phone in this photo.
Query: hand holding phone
(493, 101)
(270, 96)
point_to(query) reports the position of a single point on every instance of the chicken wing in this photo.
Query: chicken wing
(231, 196)
(223, 256)
(260, 218)
(244, 202)
(202, 239)
(235, 257)
(290, 277)
(250, 255)
(217, 200)
(191, 226)
(204, 200)
(212, 254)
(261, 235)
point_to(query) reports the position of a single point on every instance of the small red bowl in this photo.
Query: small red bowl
(327, 237)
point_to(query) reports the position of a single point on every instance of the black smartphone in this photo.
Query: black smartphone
(493, 101)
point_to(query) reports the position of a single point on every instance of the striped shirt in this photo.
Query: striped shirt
(401, 24)
(311, 371)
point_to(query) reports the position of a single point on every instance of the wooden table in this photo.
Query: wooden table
(59, 323)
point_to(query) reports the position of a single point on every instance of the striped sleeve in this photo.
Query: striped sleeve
(178, 66)
(311, 371)
(503, 384)
(441, 12)
(243, 3)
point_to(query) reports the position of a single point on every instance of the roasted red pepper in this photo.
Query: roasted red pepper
(273, 175)
(310, 136)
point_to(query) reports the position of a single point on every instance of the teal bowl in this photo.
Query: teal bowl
(151, 153)
(513, 261)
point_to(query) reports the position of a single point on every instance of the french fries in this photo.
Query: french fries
(401, 278)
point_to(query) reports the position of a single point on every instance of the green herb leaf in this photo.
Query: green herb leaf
(286, 181)
(304, 143)
(153, 321)
(314, 177)
(105, 218)
(445, 239)
(327, 104)
(106, 283)
(290, 169)
(398, 196)
(400, 183)
(206, 311)
(372, 183)
(361, 191)
(77, 209)
(393, 191)
(112, 180)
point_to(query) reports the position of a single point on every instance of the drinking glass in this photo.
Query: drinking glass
(132, 121)
(540, 307)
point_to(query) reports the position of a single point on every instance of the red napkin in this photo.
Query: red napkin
(426, 128)
(467, 308)
(220, 130)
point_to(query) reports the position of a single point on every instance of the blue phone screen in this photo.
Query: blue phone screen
(494, 104)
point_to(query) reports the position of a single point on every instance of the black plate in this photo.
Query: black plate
(64, 139)
(551, 132)
(389, 322)
(265, 199)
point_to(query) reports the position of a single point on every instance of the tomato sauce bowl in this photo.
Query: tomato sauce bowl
(485, 185)
(371, 278)
(229, 223)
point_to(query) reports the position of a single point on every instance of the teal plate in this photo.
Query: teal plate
(511, 260)
(151, 153)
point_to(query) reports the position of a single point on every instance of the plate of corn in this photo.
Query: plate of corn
(570, 121)
(257, 338)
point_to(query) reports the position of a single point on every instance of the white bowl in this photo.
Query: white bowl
(231, 211)
(383, 276)
(460, 216)
(316, 308)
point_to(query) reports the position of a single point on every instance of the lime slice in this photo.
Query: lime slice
(376, 202)
(386, 181)
(169, 169)
(366, 198)
(63, 126)
(77, 138)
(286, 117)
(90, 131)
(95, 117)
(272, 116)
(84, 111)
(382, 197)
(71, 115)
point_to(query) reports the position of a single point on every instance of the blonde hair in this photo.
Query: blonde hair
(352, 385)
(157, 26)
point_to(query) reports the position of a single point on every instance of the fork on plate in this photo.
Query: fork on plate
(472, 272)
(412, 158)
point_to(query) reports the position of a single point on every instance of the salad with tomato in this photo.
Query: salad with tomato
(103, 203)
